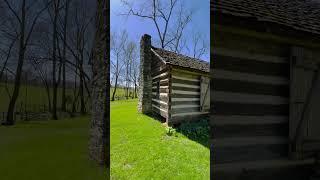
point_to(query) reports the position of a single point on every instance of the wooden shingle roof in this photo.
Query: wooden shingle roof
(303, 15)
(173, 58)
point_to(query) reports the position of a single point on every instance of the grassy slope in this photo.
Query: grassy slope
(120, 92)
(141, 150)
(53, 150)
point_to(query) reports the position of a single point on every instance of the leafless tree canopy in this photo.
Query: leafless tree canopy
(124, 65)
(170, 19)
(54, 40)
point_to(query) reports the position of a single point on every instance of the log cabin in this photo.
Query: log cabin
(265, 118)
(174, 86)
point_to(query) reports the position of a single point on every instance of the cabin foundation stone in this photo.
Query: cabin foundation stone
(145, 90)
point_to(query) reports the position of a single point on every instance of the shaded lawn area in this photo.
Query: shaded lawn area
(35, 95)
(54, 150)
(140, 148)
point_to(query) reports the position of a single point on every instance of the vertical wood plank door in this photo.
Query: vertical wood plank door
(205, 94)
(304, 118)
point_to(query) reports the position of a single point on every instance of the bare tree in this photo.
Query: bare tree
(40, 67)
(199, 45)
(135, 71)
(56, 9)
(169, 17)
(117, 48)
(8, 54)
(131, 68)
(65, 28)
(23, 22)
(183, 19)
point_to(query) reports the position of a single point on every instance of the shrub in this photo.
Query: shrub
(170, 131)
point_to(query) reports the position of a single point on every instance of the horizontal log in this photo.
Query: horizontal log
(161, 87)
(223, 108)
(158, 69)
(159, 78)
(184, 110)
(160, 94)
(247, 130)
(249, 141)
(161, 90)
(160, 75)
(244, 98)
(173, 103)
(247, 77)
(186, 71)
(160, 112)
(186, 89)
(248, 55)
(247, 120)
(185, 96)
(161, 109)
(160, 102)
(195, 79)
(185, 85)
(272, 163)
(164, 82)
(161, 98)
(185, 106)
(179, 81)
(250, 87)
(184, 99)
(189, 113)
(249, 66)
(185, 92)
(249, 153)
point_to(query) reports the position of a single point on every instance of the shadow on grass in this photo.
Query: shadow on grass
(198, 131)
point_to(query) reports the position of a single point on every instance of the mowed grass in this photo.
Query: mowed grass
(51, 150)
(140, 148)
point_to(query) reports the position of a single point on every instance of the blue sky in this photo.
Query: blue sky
(136, 26)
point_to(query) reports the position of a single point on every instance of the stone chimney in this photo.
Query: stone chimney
(145, 90)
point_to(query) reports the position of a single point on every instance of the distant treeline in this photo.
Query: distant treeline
(123, 93)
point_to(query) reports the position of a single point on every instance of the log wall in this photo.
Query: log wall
(185, 96)
(160, 87)
(249, 119)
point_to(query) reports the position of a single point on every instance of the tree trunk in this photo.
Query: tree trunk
(63, 98)
(115, 88)
(75, 94)
(81, 91)
(54, 61)
(22, 50)
(99, 143)
(135, 91)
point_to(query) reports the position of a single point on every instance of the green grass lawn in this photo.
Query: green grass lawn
(140, 148)
(51, 150)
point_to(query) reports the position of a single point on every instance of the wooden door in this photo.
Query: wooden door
(205, 94)
(304, 116)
